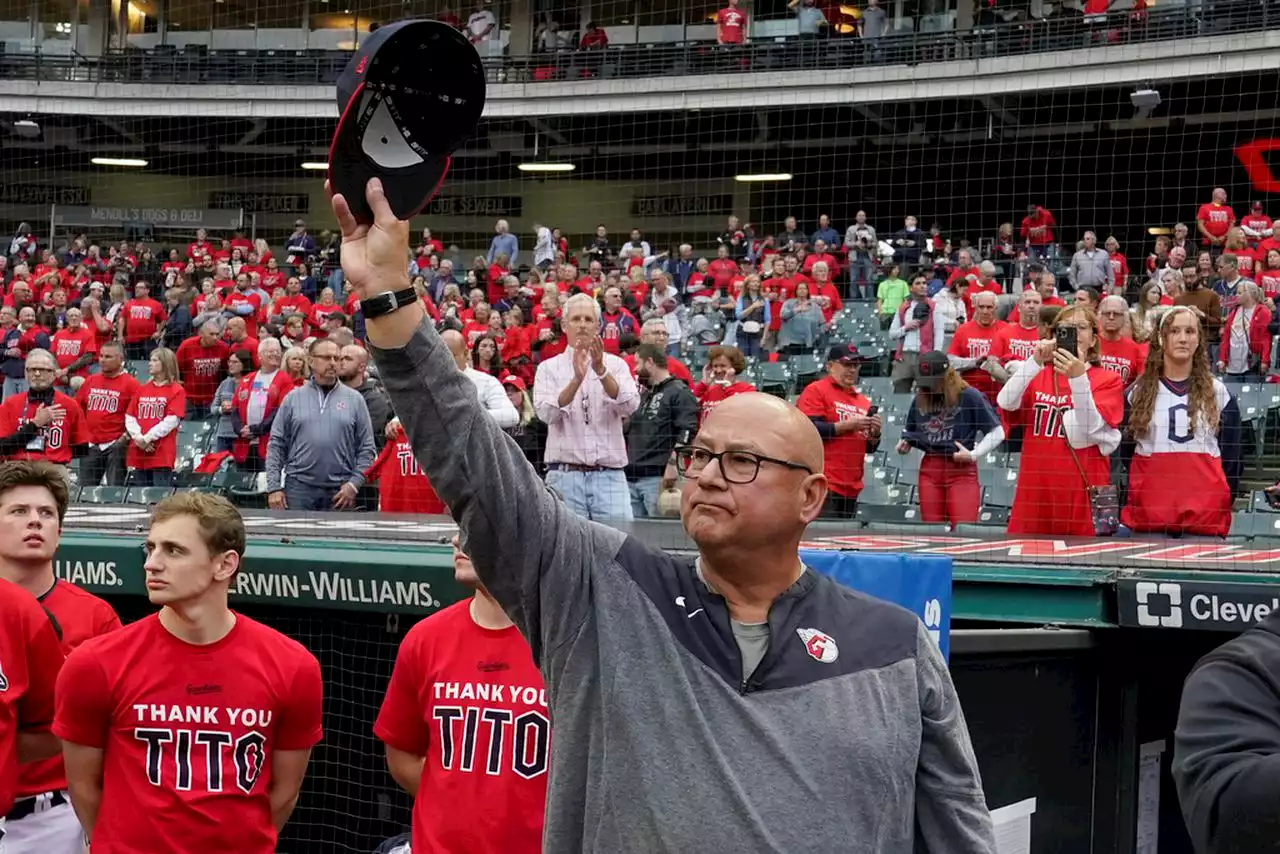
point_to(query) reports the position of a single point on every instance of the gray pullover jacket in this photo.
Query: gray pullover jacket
(321, 440)
(849, 740)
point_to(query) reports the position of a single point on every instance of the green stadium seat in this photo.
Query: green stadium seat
(878, 489)
(909, 469)
(1255, 525)
(808, 368)
(1000, 495)
(187, 479)
(102, 495)
(775, 379)
(73, 493)
(147, 495)
(140, 368)
(897, 514)
(905, 529)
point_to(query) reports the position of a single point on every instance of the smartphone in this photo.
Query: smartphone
(1067, 338)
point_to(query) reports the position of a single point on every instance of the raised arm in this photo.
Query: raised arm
(534, 556)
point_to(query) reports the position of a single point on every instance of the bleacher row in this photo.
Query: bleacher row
(889, 500)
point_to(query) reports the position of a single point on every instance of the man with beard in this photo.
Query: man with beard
(667, 416)
(446, 664)
(42, 423)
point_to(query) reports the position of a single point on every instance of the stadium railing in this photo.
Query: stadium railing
(198, 64)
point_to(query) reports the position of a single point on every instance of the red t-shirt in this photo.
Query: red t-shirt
(722, 271)
(236, 299)
(53, 442)
(1042, 219)
(784, 288)
(711, 395)
(80, 616)
(1123, 356)
(472, 702)
(104, 401)
(141, 319)
(1269, 281)
(973, 341)
(1256, 222)
(151, 405)
(402, 487)
(271, 281)
(1015, 343)
(979, 287)
(733, 24)
(198, 248)
(296, 304)
(612, 326)
(32, 657)
(834, 303)
(1051, 498)
(188, 732)
(471, 332)
(1217, 219)
(68, 346)
(845, 455)
(317, 316)
(202, 368)
(1120, 265)
(1246, 261)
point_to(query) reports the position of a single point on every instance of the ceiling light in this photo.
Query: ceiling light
(315, 166)
(546, 167)
(118, 161)
(763, 176)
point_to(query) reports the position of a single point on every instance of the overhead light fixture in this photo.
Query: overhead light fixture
(763, 176)
(1156, 231)
(546, 167)
(118, 161)
(315, 166)
(26, 128)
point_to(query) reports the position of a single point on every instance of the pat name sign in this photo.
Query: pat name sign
(719, 204)
(270, 203)
(42, 194)
(486, 206)
(1198, 605)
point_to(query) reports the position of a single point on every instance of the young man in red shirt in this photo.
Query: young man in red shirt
(140, 317)
(104, 399)
(190, 730)
(201, 246)
(30, 658)
(970, 352)
(33, 503)
(848, 429)
(457, 733)
(1214, 219)
(731, 24)
(75, 347)
(1257, 225)
(202, 363)
(1116, 351)
(245, 303)
(42, 423)
(1037, 232)
(1016, 341)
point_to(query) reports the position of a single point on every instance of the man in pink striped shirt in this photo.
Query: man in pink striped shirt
(583, 395)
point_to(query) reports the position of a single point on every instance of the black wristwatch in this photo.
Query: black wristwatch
(387, 302)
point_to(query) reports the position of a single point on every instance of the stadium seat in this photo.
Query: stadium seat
(918, 529)
(880, 490)
(909, 469)
(775, 379)
(147, 495)
(141, 369)
(807, 368)
(901, 514)
(1255, 525)
(102, 495)
(1000, 495)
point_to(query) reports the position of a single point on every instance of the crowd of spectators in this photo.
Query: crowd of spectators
(580, 352)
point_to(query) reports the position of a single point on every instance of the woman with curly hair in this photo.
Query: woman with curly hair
(1183, 433)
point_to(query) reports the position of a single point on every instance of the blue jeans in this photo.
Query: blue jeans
(14, 386)
(302, 496)
(644, 495)
(861, 272)
(335, 282)
(596, 495)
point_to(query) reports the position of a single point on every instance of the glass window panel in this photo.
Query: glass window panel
(16, 26)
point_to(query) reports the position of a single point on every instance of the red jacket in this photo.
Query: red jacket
(1259, 338)
(281, 384)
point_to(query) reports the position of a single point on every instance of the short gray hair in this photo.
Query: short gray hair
(581, 300)
(1113, 298)
(43, 354)
(266, 344)
(987, 268)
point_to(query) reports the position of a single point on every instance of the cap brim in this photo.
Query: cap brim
(929, 383)
(408, 189)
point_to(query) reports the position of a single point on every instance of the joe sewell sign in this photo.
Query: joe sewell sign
(1201, 605)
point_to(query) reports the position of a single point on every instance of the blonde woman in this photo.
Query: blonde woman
(1144, 314)
(152, 422)
(295, 364)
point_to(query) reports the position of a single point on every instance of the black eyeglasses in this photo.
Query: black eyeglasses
(740, 467)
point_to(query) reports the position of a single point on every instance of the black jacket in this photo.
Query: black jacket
(379, 405)
(666, 417)
(1226, 748)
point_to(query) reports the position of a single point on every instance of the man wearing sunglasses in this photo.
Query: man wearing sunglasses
(737, 701)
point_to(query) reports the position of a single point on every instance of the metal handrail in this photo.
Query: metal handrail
(322, 67)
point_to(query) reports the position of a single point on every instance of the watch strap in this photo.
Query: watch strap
(387, 302)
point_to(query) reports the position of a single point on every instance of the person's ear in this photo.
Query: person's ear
(813, 495)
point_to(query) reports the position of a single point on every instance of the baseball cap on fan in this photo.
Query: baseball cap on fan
(410, 96)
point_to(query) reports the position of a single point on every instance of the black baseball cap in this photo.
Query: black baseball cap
(930, 369)
(410, 96)
(846, 354)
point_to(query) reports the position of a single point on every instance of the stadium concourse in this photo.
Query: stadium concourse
(177, 361)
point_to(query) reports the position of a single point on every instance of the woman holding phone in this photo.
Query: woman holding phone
(944, 422)
(1071, 409)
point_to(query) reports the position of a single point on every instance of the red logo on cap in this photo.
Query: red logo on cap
(361, 64)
